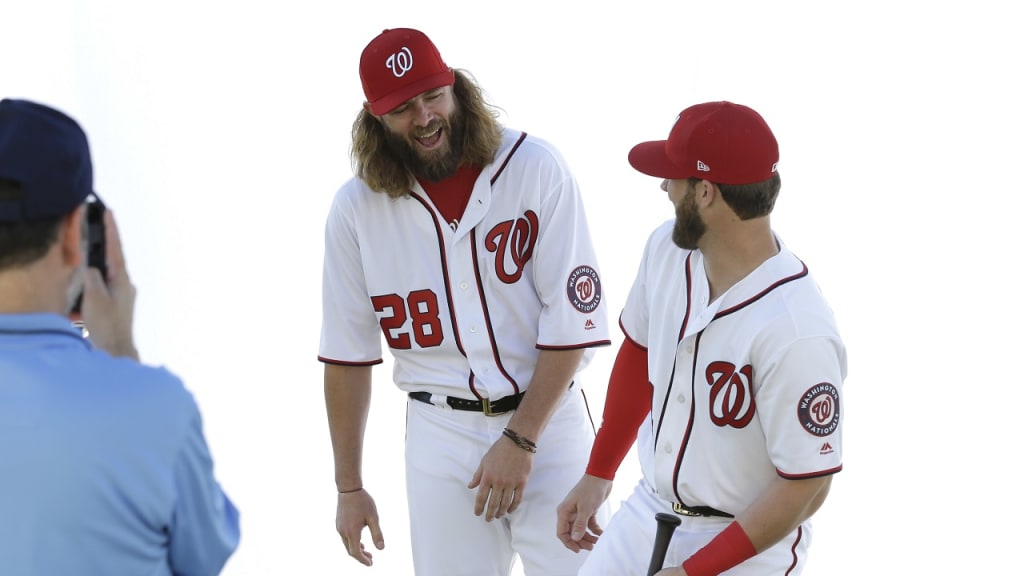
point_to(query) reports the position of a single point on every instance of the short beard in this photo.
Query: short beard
(440, 165)
(690, 227)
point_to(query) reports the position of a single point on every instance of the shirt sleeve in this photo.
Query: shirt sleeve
(204, 529)
(635, 317)
(567, 273)
(800, 407)
(349, 332)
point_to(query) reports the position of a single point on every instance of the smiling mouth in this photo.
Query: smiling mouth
(431, 139)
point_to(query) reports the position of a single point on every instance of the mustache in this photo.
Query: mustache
(431, 127)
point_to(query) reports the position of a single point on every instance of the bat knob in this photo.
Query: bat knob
(666, 518)
(666, 525)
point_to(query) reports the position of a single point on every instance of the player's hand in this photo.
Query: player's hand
(356, 510)
(577, 525)
(501, 479)
(108, 308)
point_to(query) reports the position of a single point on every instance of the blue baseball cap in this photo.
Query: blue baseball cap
(45, 165)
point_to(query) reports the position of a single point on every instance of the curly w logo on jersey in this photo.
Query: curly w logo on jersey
(731, 400)
(512, 243)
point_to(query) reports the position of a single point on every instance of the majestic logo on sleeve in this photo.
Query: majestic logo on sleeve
(400, 62)
(818, 409)
(731, 400)
(512, 243)
(584, 290)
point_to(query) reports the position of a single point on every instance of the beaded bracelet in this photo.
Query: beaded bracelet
(521, 441)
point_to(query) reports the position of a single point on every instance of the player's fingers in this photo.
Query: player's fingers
(594, 527)
(579, 526)
(376, 534)
(115, 254)
(586, 543)
(482, 494)
(517, 499)
(564, 530)
(475, 481)
(494, 504)
(355, 548)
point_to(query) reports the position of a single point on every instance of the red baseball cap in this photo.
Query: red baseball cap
(399, 64)
(722, 142)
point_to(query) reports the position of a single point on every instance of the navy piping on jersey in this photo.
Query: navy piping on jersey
(326, 360)
(444, 268)
(672, 374)
(487, 317)
(792, 549)
(508, 157)
(480, 285)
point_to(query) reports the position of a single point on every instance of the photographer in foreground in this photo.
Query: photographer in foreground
(104, 468)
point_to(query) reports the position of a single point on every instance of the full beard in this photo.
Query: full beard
(435, 165)
(689, 226)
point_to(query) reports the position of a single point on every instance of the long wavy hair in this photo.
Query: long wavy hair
(383, 171)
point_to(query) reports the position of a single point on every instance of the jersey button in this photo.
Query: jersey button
(667, 448)
(473, 329)
(681, 398)
(464, 285)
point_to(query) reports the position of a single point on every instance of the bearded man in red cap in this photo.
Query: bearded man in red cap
(729, 377)
(465, 244)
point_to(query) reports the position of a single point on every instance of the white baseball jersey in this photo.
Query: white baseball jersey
(745, 388)
(464, 311)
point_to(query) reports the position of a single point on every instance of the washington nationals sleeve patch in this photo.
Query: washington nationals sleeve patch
(818, 409)
(584, 289)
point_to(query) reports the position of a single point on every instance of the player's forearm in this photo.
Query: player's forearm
(627, 403)
(554, 371)
(781, 508)
(347, 395)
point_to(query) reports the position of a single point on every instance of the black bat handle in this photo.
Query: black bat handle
(666, 526)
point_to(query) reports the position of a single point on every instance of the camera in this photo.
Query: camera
(96, 241)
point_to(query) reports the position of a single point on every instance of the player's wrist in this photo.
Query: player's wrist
(350, 490)
(730, 548)
(520, 440)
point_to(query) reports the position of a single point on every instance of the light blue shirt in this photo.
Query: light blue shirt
(104, 469)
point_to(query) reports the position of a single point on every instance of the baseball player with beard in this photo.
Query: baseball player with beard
(465, 245)
(731, 369)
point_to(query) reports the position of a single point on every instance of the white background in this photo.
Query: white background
(220, 132)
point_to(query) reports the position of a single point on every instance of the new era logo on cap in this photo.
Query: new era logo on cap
(399, 64)
(723, 142)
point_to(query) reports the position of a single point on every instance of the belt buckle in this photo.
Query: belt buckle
(678, 509)
(487, 407)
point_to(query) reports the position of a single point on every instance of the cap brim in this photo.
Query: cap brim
(386, 104)
(652, 159)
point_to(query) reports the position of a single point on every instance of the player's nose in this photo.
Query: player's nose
(422, 114)
(664, 185)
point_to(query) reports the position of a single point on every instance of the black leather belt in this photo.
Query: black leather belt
(684, 510)
(488, 407)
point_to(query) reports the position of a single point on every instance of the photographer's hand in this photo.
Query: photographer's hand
(108, 308)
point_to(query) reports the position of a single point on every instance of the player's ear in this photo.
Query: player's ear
(366, 106)
(706, 192)
(71, 237)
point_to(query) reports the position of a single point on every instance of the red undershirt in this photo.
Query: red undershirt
(452, 194)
